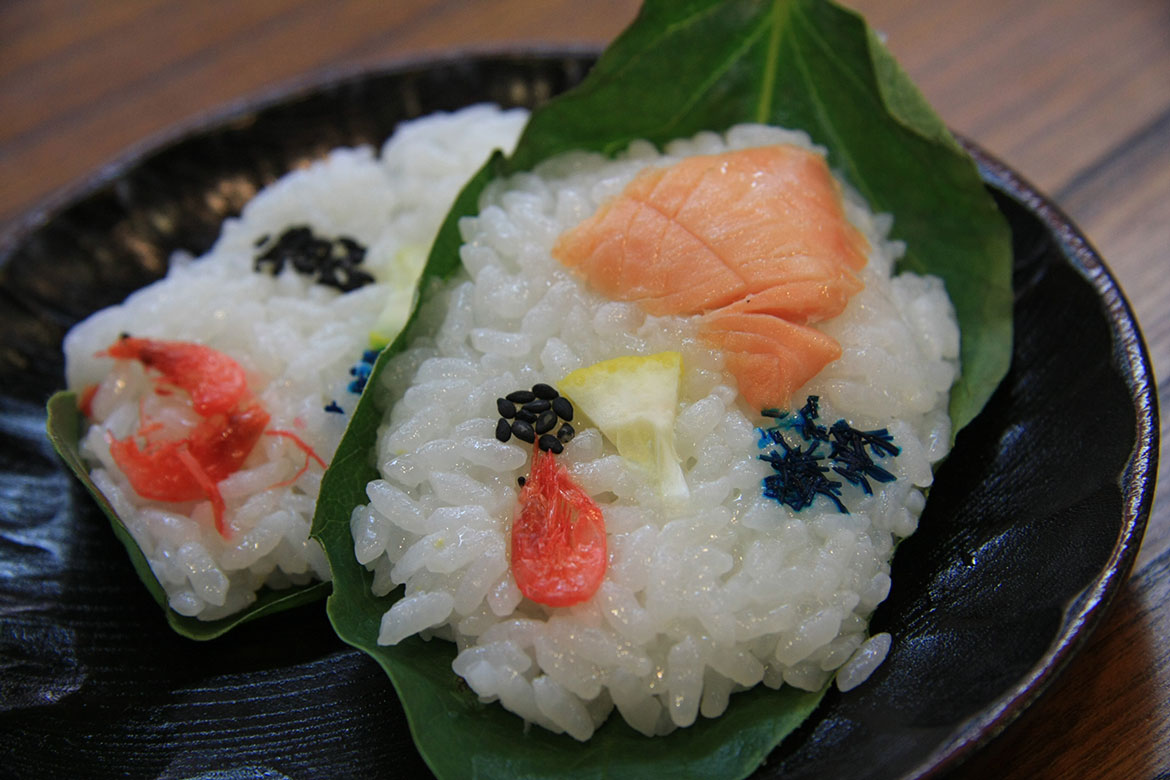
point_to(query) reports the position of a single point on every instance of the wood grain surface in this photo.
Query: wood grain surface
(1074, 94)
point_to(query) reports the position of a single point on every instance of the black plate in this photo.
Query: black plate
(1031, 527)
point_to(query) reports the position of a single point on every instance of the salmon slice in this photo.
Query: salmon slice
(758, 231)
(711, 229)
(770, 357)
(798, 299)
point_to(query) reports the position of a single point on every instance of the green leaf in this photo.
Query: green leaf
(469, 739)
(63, 426)
(682, 67)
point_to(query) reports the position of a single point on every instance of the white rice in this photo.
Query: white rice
(296, 341)
(697, 602)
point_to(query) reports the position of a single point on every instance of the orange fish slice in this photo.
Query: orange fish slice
(770, 357)
(759, 232)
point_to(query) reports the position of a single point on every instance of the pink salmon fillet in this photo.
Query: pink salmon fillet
(756, 241)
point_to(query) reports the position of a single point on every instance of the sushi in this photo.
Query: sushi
(749, 508)
(217, 395)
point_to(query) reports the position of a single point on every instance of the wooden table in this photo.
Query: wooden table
(1075, 95)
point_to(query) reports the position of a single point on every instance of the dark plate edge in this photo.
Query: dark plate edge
(1088, 609)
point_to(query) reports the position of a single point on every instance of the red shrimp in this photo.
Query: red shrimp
(558, 537)
(215, 382)
(85, 403)
(190, 468)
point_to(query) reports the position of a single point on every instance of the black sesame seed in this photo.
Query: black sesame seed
(520, 481)
(550, 443)
(330, 262)
(503, 430)
(523, 431)
(546, 421)
(565, 433)
(537, 406)
(525, 415)
(353, 279)
(563, 408)
(520, 396)
(547, 392)
(506, 408)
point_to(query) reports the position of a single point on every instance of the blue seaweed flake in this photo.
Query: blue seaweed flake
(800, 474)
(803, 421)
(800, 477)
(362, 371)
(851, 460)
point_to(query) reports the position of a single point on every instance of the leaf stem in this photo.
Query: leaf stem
(768, 87)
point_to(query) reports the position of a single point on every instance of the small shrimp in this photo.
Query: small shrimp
(190, 468)
(215, 382)
(558, 537)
